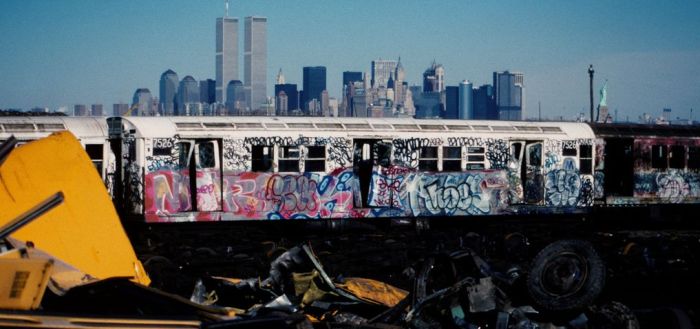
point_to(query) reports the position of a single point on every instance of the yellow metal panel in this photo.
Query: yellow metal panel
(23, 282)
(85, 230)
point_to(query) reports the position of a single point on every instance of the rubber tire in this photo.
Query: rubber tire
(583, 294)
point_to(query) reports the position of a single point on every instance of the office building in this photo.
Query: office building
(80, 110)
(235, 98)
(451, 102)
(381, 71)
(434, 78)
(485, 103)
(96, 110)
(281, 104)
(349, 77)
(168, 90)
(187, 94)
(466, 100)
(255, 61)
(509, 95)
(314, 84)
(226, 54)
(120, 109)
(290, 90)
(142, 102)
(207, 91)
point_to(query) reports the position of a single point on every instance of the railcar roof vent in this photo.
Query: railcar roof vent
(271, 125)
(218, 125)
(405, 127)
(358, 126)
(458, 127)
(249, 125)
(300, 125)
(50, 126)
(432, 127)
(382, 126)
(551, 129)
(503, 128)
(18, 127)
(481, 128)
(528, 128)
(188, 125)
(329, 125)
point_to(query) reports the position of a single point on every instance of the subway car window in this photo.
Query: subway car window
(94, 151)
(693, 157)
(676, 157)
(262, 157)
(315, 158)
(288, 158)
(586, 159)
(451, 158)
(428, 158)
(659, 156)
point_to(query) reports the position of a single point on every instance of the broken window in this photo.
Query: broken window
(451, 158)
(261, 158)
(659, 156)
(206, 155)
(428, 160)
(693, 157)
(676, 157)
(475, 158)
(315, 158)
(288, 158)
(184, 154)
(585, 159)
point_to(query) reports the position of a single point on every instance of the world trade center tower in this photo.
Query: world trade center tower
(255, 60)
(226, 54)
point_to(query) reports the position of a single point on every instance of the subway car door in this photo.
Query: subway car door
(366, 154)
(205, 175)
(531, 174)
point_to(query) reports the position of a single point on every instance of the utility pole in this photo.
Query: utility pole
(590, 75)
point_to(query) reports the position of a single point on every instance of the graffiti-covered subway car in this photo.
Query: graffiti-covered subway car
(240, 168)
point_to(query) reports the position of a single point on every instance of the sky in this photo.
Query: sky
(56, 53)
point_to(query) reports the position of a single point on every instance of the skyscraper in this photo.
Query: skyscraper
(119, 109)
(142, 100)
(80, 110)
(509, 94)
(349, 77)
(485, 103)
(207, 91)
(168, 90)
(255, 61)
(226, 54)
(314, 84)
(466, 100)
(281, 105)
(381, 71)
(235, 98)
(96, 110)
(452, 102)
(434, 78)
(187, 94)
(290, 91)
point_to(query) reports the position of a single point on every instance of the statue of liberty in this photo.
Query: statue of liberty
(604, 94)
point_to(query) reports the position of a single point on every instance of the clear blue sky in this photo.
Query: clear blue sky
(62, 52)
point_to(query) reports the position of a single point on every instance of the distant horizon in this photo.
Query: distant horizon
(62, 53)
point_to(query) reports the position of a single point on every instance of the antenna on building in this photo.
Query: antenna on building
(226, 9)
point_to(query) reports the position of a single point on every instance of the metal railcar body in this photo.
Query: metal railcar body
(179, 169)
(90, 131)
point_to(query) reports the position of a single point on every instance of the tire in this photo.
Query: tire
(566, 275)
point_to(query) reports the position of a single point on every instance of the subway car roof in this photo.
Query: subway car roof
(32, 127)
(630, 130)
(153, 127)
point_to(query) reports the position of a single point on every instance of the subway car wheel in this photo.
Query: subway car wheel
(566, 275)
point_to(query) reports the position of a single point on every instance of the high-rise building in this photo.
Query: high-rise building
(485, 103)
(290, 90)
(235, 98)
(207, 91)
(314, 84)
(399, 84)
(168, 91)
(120, 109)
(226, 54)
(281, 104)
(187, 94)
(280, 78)
(434, 78)
(96, 110)
(80, 110)
(349, 77)
(509, 95)
(381, 71)
(466, 100)
(324, 103)
(255, 60)
(142, 101)
(451, 102)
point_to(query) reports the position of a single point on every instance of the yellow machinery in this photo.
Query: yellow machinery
(83, 231)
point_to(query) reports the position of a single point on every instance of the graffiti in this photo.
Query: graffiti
(134, 187)
(551, 160)
(498, 153)
(465, 141)
(599, 187)
(406, 151)
(155, 163)
(275, 140)
(453, 194)
(236, 155)
(208, 191)
(586, 195)
(167, 192)
(672, 187)
(562, 188)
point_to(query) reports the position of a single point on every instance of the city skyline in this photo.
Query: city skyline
(101, 52)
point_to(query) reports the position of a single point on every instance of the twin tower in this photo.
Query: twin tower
(254, 58)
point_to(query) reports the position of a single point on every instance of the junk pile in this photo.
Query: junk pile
(66, 262)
